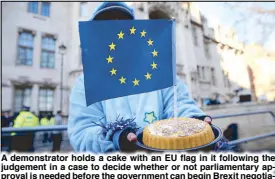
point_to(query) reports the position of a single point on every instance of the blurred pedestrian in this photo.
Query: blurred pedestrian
(44, 121)
(23, 141)
(6, 121)
(57, 135)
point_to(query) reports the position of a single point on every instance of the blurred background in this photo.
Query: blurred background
(225, 55)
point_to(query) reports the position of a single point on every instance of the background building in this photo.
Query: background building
(34, 31)
(198, 47)
(31, 64)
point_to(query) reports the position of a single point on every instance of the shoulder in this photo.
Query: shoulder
(79, 80)
(180, 86)
(78, 85)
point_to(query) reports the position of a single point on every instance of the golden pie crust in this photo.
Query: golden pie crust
(177, 134)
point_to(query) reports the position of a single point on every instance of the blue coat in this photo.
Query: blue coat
(145, 108)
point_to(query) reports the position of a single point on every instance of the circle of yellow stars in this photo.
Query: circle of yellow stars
(112, 47)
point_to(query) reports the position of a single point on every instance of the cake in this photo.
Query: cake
(176, 134)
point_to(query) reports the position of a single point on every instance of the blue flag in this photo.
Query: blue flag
(126, 57)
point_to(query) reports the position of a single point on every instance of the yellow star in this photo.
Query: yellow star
(136, 82)
(112, 46)
(150, 42)
(109, 59)
(132, 30)
(122, 80)
(155, 53)
(120, 35)
(143, 33)
(154, 65)
(113, 72)
(148, 76)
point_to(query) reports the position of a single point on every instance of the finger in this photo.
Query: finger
(208, 120)
(132, 137)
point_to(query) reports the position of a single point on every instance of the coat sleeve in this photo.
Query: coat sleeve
(83, 134)
(18, 122)
(186, 106)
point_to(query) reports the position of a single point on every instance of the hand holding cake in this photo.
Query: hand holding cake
(133, 138)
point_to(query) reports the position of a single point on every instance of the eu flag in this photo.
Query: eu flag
(126, 57)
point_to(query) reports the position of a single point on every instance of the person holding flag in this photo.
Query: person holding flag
(129, 74)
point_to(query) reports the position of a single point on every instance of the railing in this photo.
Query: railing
(7, 131)
(248, 139)
(244, 114)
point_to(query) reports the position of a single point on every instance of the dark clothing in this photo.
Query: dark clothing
(232, 133)
(23, 142)
(5, 143)
(5, 140)
(57, 139)
(213, 102)
(56, 135)
(45, 137)
(6, 121)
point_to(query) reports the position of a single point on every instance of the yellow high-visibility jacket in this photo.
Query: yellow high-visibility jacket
(44, 122)
(52, 121)
(25, 119)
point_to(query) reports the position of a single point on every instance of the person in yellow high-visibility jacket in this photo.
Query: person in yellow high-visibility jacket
(26, 119)
(45, 122)
(24, 141)
(52, 121)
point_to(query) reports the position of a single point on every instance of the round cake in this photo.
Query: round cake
(176, 134)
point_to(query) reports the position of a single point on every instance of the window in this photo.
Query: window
(206, 50)
(194, 33)
(203, 73)
(46, 99)
(83, 9)
(42, 8)
(198, 71)
(25, 48)
(213, 76)
(45, 9)
(22, 97)
(33, 7)
(193, 80)
(226, 80)
(48, 52)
